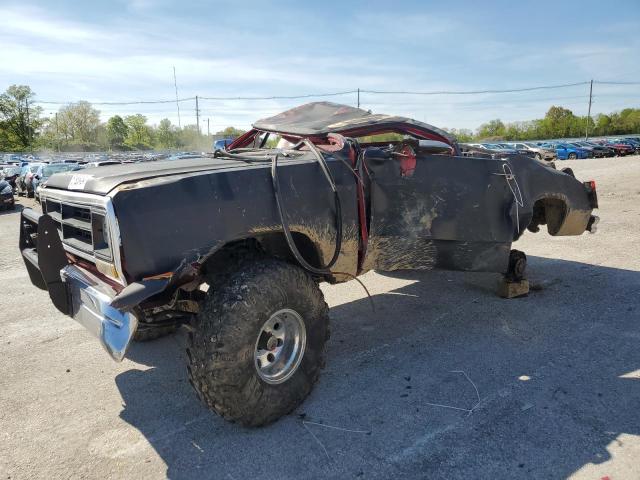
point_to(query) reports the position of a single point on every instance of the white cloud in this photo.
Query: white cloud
(129, 56)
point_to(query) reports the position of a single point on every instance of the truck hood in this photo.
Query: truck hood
(101, 180)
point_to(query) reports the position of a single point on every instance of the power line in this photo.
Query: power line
(139, 102)
(283, 97)
(474, 92)
(615, 83)
(346, 92)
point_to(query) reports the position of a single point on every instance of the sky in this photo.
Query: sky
(125, 50)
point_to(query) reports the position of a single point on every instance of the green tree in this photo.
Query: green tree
(166, 136)
(19, 118)
(560, 122)
(492, 129)
(77, 126)
(462, 134)
(117, 132)
(139, 134)
(630, 120)
(230, 132)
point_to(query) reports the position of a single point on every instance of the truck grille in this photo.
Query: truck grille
(81, 227)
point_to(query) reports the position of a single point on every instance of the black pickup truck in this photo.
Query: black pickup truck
(233, 244)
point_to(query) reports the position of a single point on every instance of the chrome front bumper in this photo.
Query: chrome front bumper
(89, 302)
(73, 290)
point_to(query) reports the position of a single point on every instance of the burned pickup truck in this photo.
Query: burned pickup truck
(233, 245)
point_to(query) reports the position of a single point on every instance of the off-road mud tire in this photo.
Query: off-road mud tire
(222, 342)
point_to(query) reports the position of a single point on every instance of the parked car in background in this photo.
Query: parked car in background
(520, 151)
(565, 151)
(10, 173)
(499, 148)
(597, 151)
(483, 151)
(100, 163)
(185, 155)
(23, 182)
(620, 148)
(635, 145)
(541, 153)
(7, 202)
(13, 158)
(45, 171)
(222, 143)
(507, 149)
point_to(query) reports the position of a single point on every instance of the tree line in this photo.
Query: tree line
(77, 127)
(558, 122)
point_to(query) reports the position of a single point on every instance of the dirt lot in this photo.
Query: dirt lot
(557, 374)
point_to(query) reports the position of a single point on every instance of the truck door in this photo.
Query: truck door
(438, 211)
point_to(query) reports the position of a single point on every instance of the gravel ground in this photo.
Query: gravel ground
(557, 374)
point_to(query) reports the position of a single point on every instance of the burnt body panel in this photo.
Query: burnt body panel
(165, 222)
(462, 213)
(450, 212)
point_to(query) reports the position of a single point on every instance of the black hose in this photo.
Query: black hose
(323, 270)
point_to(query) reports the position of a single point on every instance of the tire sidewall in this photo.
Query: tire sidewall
(223, 344)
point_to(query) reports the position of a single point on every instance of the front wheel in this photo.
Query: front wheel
(258, 343)
(572, 156)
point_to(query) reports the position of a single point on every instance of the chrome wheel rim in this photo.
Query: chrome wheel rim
(280, 346)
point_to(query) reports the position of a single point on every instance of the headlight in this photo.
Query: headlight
(100, 235)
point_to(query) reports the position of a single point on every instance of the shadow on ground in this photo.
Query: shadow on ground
(554, 372)
(15, 210)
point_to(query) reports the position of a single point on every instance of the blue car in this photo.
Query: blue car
(566, 151)
(223, 143)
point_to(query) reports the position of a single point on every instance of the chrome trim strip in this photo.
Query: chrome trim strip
(114, 240)
(82, 199)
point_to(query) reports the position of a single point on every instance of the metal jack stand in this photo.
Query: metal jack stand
(513, 284)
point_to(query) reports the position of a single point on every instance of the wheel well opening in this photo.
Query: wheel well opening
(271, 244)
(275, 245)
(550, 212)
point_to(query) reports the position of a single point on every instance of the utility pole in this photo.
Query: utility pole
(208, 132)
(358, 98)
(57, 133)
(586, 133)
(26, 102)
(175, 84)
(197, 115)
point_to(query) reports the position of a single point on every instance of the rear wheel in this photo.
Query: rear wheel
(258, 343)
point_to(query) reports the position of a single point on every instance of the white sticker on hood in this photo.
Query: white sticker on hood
(78, 182)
